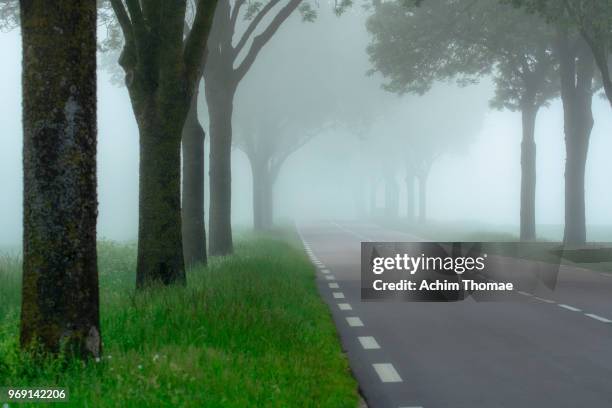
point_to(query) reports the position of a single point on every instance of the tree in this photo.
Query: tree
(591, 18)
(442, 39)
(194, 230)
(268, 143)
(60, 306)
(230, 60)
(162, 65)
(269, 138)
(424, 138)
(577, 74)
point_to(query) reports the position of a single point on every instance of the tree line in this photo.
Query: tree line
(168, 47)
(535, 51)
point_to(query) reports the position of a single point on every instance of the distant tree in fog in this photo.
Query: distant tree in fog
(582, 42)
(268, 142)
(414, 135)
(591, 18)
(442, 39)
(269, 130)
(232, 51)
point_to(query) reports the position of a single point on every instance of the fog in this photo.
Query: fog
(321, 67)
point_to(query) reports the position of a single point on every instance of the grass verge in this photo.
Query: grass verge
(595, 256)
(248, 331)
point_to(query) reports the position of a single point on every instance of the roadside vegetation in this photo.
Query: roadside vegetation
(596, 256)
(249, 330)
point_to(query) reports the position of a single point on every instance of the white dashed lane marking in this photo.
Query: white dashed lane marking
(338, 295)
(324, 270)
(330, 277)
(568, 307)
(596, 317)
(345, 306)
(368, 343)
(544, 300)
(354, 322)
(333, 286)
(387, 373)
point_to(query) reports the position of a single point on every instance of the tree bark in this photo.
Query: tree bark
(577, 69)
(60, 305)
(163, 65)
(160, 249)
(194, 229)
(528, 173)
(422, 178)
(220, 107)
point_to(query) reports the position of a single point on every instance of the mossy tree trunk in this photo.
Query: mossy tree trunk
(160, 250)
(194, 230)
(60, 304)
(163, 66)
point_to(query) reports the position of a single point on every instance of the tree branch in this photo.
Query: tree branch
(195, 43)
(261, 40)
(135, 14)
(124, 20)
(253, 25)
(236, 12)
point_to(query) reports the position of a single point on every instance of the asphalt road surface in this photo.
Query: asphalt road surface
(540, 352)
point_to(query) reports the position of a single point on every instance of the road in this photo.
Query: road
(541, 352)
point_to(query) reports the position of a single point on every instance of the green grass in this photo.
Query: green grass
(249, 331)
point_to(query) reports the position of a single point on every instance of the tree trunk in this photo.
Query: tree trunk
(422, 198)
(263, 187)
(194, 229)
(528, 174)
(160, 249)
(269, 200)
(391, 196)
(577, 73)
(258, 196)
(60, 303)
(220, 108)
(410, 207)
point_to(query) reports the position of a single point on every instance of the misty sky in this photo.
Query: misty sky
(480, 183)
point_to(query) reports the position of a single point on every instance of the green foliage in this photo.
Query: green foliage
(250, 330)
(415, 46)
(592, 19)
(9, 14)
